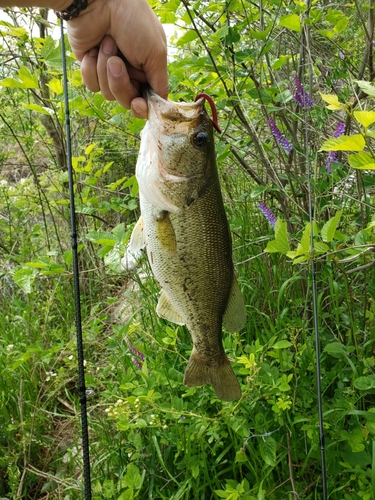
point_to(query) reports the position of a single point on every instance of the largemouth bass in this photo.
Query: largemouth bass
(185, 230)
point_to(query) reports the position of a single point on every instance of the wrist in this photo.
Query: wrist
(71, 10)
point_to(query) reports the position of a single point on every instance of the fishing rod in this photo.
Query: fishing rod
(314, 290)
(77, 297)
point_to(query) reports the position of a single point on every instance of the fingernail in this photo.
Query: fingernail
(108, 46)
(114, 67)
(138, 110)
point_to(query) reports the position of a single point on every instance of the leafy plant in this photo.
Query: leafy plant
(293, 91)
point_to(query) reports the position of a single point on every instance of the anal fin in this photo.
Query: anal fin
(221, 376)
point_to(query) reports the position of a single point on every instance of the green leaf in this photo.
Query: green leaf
(89, 148)
(267, 449)
(341, 25)
(107, 166)
(24, 278)
(56, 86)
(40, 109)
(278, 63)
(108, 488)
(16, 31)
(102, 238)
(126, 495)
(320, 247)
(187, 37)
(329, 228)
(223, 31)
(50, 52)
(361, 458)
(221, 494)
(303, 246)
(366, 87)
(241, 457)
(355, 439)
(345, 143)
(258, 190)
(12, 83)
(361, 238)
(333, 101)
(335, 349)
(116, 184)
(364, 383)
(29, 80)
(75, 161)
(362, 161)
(195, 470)
(282, 344)
(327, 33)
(280, 243)
(266, 47)
(261, 35)
(53, 269)
(133, 477)
(291, 21)
(120, 233)
(365, 118)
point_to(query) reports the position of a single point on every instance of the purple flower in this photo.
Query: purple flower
(137, 363)
(280, 138)
(300, 94)
(340, 129)
(269, 215)
(134, 350)
(341, 54)
(332, 156)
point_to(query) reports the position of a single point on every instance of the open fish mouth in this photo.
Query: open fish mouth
(181, 111)
(173, 112)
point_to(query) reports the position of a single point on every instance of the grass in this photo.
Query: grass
(153, 438)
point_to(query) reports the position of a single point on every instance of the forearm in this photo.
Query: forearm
(51, 4)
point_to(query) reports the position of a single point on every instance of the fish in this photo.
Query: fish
(184, 229)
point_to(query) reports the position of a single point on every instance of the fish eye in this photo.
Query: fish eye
(200, 139)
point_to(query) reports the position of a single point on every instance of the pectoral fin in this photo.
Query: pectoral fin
(165, 233)
(165, 310)
(137, 239)
(235, 314)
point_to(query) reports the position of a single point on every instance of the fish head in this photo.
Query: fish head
(177, 155)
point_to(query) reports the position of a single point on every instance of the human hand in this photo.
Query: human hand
(121, 45)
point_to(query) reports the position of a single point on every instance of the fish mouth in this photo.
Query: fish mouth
(171, 111)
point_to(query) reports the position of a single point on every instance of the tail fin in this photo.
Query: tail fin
(221, 376)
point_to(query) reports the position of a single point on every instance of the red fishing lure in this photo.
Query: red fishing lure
(213, 109)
